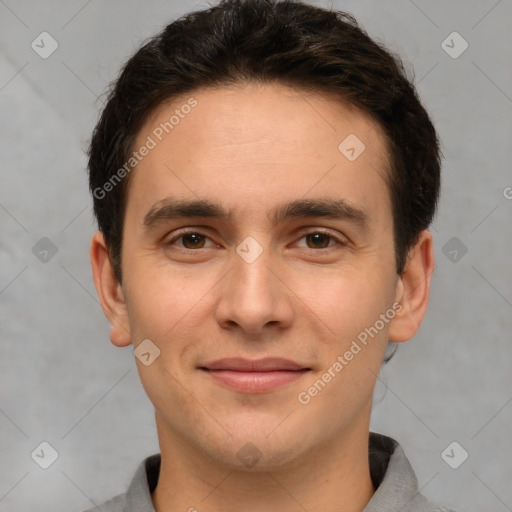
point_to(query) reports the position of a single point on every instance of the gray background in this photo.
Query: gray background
(64, 383)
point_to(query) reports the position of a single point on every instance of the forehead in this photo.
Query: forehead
(260, 141)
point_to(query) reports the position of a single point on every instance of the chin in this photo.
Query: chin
(259, 447)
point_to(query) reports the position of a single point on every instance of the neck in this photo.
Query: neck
(332, 477)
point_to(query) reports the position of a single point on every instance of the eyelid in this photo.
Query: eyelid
(309, 230)
(183, 232)
(341, 240)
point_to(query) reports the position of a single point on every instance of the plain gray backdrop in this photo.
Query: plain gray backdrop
(62, 382)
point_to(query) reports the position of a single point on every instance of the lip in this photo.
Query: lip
(267, 364)
(254, 376)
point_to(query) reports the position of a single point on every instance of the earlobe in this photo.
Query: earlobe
(109, 291)
(413, 290)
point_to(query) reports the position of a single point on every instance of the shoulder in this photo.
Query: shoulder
(394, 479)
(116, 504)
(138, 495)
(421, 504)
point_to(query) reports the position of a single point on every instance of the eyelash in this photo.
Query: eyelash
(318, 231)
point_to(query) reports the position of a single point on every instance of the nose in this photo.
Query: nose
(254, 297)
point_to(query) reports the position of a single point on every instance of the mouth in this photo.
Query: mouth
(254, 376)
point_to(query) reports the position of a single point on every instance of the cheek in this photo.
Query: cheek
(344, 301)
(355, 341)
(172, 307)
(340, 301)
(161, 307)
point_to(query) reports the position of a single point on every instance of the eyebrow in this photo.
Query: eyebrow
(336, 209)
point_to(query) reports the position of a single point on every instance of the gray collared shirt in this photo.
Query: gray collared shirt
(392, 475)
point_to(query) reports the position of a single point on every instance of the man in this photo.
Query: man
(263, 178)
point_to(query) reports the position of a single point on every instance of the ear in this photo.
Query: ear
(109, 292)
(413, 290)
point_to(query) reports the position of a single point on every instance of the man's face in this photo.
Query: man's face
(253, 285)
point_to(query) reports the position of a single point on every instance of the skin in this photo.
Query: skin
(251, 148)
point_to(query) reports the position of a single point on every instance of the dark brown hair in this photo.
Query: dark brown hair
(289, 42)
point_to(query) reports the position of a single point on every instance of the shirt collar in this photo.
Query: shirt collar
(392, 476)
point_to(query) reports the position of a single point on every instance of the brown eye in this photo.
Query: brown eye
(321, 241)
(318, 240)
(193, 240)
(188, 240)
